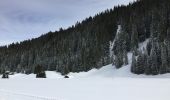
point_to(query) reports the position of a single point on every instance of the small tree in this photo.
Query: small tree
(39, 71)
(41, 75)
(5, 75)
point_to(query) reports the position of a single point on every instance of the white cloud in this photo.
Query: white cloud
(24, 19)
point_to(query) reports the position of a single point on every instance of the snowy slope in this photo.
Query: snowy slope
(104, 84)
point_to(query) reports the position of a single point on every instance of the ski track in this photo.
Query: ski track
(26, 96)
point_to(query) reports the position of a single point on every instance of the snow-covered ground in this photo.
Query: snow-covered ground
(106, 83)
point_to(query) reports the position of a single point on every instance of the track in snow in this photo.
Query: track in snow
(10, 95)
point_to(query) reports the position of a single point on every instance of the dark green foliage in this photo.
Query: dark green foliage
(148, 47)
(120, 47)
(39, 71)
(145, 59)
(133, 65)
(79, 48)
(138, 67)
(118, 61)
(167, 41)
(164, 58)
(140, 64)
(125, 58)
(134, 38)
(148, 67)
(66, 70)
(154, 59)
(5, 75)
(41, 75)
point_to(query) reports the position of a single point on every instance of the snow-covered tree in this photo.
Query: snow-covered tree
(154, 61)
(164, 59)
(140, 64)
(120, 48)
(133, 65)
(134, 38)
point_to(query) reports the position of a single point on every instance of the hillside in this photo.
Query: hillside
(107, 82)
(86, 45)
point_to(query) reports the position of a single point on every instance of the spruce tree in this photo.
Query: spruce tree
(125, 56)
(149, 65)
(149, 47)
(145, 59)
(154, 25)
(134, 38)
(133, 65)
(118, 61)
(168, 48)
(39, 71)
(140, 64)
(154, 59)
(164, 58)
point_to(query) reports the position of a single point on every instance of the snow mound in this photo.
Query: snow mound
(53, 75)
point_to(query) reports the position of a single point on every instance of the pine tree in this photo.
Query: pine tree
(158, 53)
(149, 65)
(120, 48)
(164, 59)
(5, 75)
(145, 58)
(140, 64)
(168, 48)
(133, 65)
(66, 70)
(39, 71)
(118, 61)
(149, 47)
(154, 25)
(154, 59)
(134, 38)
(125, 57)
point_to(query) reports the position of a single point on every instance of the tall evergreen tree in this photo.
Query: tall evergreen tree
(168, 48)
(149, 65)
(133, 65)
(164, 58)
(154, 59)
(140, 64)
(134, 37)
(120, 47)
(118, 62)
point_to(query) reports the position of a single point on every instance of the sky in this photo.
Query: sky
(25, 19)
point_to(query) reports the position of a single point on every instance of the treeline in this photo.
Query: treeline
(151, 23)
(155, 58)
(86, 44)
